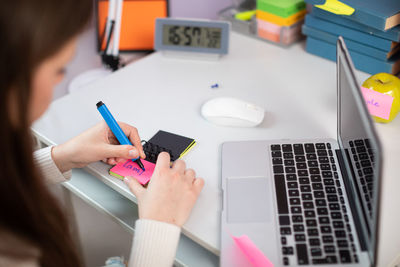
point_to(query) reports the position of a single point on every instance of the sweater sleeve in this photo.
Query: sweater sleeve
(49, 169)
(154, 244)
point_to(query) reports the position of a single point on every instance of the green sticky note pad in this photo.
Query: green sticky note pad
(281, 8)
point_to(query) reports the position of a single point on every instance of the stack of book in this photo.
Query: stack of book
(371, 33)
(280, 21)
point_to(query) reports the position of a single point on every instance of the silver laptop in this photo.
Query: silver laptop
(307, 202)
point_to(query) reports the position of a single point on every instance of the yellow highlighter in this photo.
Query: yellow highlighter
(245, 15)
(336, 7)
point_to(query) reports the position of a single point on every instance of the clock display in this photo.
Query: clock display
(192, 36)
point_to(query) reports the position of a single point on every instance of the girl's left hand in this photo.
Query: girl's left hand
(97, 143)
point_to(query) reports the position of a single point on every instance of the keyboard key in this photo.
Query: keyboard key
(278, 169)
(336, 215)
(368, 170)
(327, 260)
(365, 163)
(319, 194)
(330, 190)
(288, 155)
(315, 252)
(317, 186)
(304, 180)
(305, 188)
(300, 237)
(291, 177)
(294, 201)
(311, 223)
(328, 182)
(320, 202)
(314, 241)
(293, 193)
(327, 239)
(340, 234)
(329, 249)
(297, 218)
(309, 214)
(302, 173)
(295, 209)
(311, 156)
(275, 147)
(312, 163)
(300, 158)
(344, 256)
(322, 211)
(342, 243)
(361, 149)
(333, 198)
(323, 220)
(276, 154)
(306, 196)
(320, 146)
(363, 156)
(287, 148)
(330, 153)
(287, 250)
(327, 174)
(281, 196)
(298, 149)
(312, 232)
(359, 142)
(286, 231)
(301, 165)
(289, 162)
(284, 220)
(301, 252)
(308, 205)
(338, 224)
(314, 171)
(290, 169)
(276, 161)
(315, 178)
(334, 206)
(286, 261)
(292, 185)
(323, 160)
(326, 229)
(322, 153)
(283, 240)
(328, 145)
(309, 148)
(298, 228)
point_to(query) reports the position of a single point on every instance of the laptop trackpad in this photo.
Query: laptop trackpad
(248, 200)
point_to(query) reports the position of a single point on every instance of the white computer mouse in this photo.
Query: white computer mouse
(228, 111)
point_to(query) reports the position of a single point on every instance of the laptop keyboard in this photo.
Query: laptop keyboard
(313, 220)
(364, 160)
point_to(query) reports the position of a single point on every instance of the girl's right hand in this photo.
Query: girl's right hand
(171, 193)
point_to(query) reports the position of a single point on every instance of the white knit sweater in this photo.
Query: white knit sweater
(154, 243)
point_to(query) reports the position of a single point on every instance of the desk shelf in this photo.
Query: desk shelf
(124, 212)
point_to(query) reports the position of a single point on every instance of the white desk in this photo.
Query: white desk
(297, 90)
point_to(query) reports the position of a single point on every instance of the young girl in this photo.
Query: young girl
(38, 39)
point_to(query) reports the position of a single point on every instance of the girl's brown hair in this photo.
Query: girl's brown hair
(30, 32)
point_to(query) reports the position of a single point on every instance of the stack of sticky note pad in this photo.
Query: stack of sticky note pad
(280, 20)
(370, 30)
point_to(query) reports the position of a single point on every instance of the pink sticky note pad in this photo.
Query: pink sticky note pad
(253, 254)
(378, 104)
(130, 168)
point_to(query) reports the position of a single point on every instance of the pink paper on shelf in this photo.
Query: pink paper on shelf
(253, 254)
(130, 168)
(378, 104)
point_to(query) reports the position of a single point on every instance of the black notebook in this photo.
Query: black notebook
(176, 145)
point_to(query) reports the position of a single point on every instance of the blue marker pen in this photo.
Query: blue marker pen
(117, 131)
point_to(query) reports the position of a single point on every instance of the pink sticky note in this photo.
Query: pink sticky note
(378, 104)
(253, 254)
(130, 168)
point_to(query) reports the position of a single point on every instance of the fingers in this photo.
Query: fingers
(198, 185)
(190, 175)
(179, 166)
(163, 161)
(134, 186)
(133, 135)
(120, 151)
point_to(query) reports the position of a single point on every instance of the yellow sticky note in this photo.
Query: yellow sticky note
(336, 7)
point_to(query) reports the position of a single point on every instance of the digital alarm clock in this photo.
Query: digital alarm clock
(192, 36)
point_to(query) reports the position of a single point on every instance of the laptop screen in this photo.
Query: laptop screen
(360, 152)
